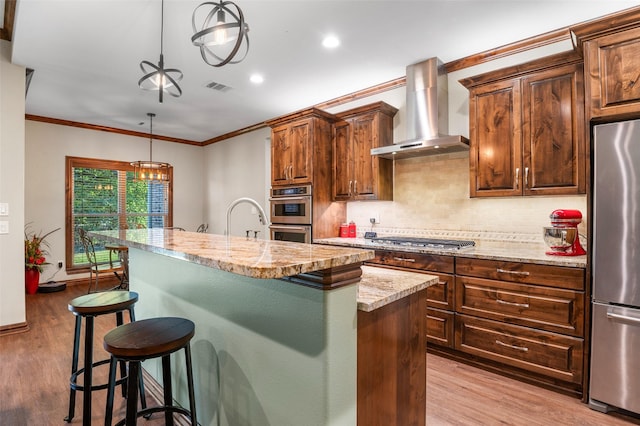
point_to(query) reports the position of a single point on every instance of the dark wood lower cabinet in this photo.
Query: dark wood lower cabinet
(525, 320)
(392, 365)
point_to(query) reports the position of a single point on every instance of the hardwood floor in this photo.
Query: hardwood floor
(35, 366)
(461, 395)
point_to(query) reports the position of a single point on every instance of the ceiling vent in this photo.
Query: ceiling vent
(218, 86)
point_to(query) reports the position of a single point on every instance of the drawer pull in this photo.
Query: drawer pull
(505, 271)
(404, 259)
(520, 305)
(518, 348)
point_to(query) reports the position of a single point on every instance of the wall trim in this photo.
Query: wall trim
(107, 129)
(20, 327)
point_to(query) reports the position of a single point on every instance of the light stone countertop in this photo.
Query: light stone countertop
(491, 250)
(380, 286)
(250, 257)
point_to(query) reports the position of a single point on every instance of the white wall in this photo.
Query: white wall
(46, 148)
(12, 170)
(235, 168)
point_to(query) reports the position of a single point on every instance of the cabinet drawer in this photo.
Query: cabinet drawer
(542, 352)
(440, 327)
(546, 308)
(421, 261)
(526, 273)
(442, 294)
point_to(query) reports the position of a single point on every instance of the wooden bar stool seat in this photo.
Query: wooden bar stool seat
(88, 307)
(147, 339)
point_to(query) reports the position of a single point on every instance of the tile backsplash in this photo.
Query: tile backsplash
(432, 194)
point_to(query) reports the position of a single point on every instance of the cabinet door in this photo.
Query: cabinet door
(613, 65)
(440, 327)
(495, 157)
(553, 132)
(300, 138)
(342, 170)
(364, 170)
(280, 155)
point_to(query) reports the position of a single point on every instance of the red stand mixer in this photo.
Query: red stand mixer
(562, 237)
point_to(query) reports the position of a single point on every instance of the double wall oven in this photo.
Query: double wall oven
(291, 213)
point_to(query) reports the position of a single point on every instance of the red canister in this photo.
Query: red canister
(352, 229)
(344, 230)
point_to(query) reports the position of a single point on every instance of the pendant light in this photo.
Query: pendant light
(221, 26)
(151, 171)
(157, 77)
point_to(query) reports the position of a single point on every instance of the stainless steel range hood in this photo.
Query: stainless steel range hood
(427, 115)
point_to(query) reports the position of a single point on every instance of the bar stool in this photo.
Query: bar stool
(90, 306)
(147, 339)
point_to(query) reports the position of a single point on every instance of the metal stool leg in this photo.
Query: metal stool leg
(168, 390)
(132, 399)
(192, 399)
(88, 370)
(108, 415)
(143, 398)
(74, 368)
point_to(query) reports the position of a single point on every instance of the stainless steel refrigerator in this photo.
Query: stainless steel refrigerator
(615, 338)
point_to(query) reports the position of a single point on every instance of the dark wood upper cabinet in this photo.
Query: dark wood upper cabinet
(356, 174)
(300, 146)
(527, 129)
(613, 62)
(611, 49)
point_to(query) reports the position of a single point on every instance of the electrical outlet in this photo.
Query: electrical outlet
(60, 264)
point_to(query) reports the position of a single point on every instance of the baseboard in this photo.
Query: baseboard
(6, 330)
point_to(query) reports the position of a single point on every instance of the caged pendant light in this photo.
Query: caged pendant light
(221, 25)
(151, 171)
(157, 77)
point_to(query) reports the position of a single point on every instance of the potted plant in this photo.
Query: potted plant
(34, 258)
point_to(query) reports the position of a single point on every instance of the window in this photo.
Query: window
(102, 195)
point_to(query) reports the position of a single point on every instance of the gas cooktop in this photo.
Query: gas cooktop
(435, 243)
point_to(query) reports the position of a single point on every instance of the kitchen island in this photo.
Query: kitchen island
(286, 333)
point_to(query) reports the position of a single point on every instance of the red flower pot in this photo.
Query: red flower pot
(31, 280)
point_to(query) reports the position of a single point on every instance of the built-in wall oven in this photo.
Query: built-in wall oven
(295, 233)
(291, 213)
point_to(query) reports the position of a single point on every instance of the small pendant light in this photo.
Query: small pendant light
(151, 171)
(157, 77)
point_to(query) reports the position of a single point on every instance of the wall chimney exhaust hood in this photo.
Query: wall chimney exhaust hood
(427, 115)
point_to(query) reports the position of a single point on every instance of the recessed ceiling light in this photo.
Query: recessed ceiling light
(331, 42)
(256, 79)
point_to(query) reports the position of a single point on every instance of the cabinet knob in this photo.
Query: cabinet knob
(517, 177)
(355, 186)
(526, 177)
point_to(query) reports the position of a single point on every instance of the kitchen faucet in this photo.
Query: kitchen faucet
(261, 214)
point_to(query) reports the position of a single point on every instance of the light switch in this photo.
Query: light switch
(4, 209)
(4, 227)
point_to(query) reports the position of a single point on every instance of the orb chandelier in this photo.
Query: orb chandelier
(215, 36)
(151, 171)
(157, 77)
